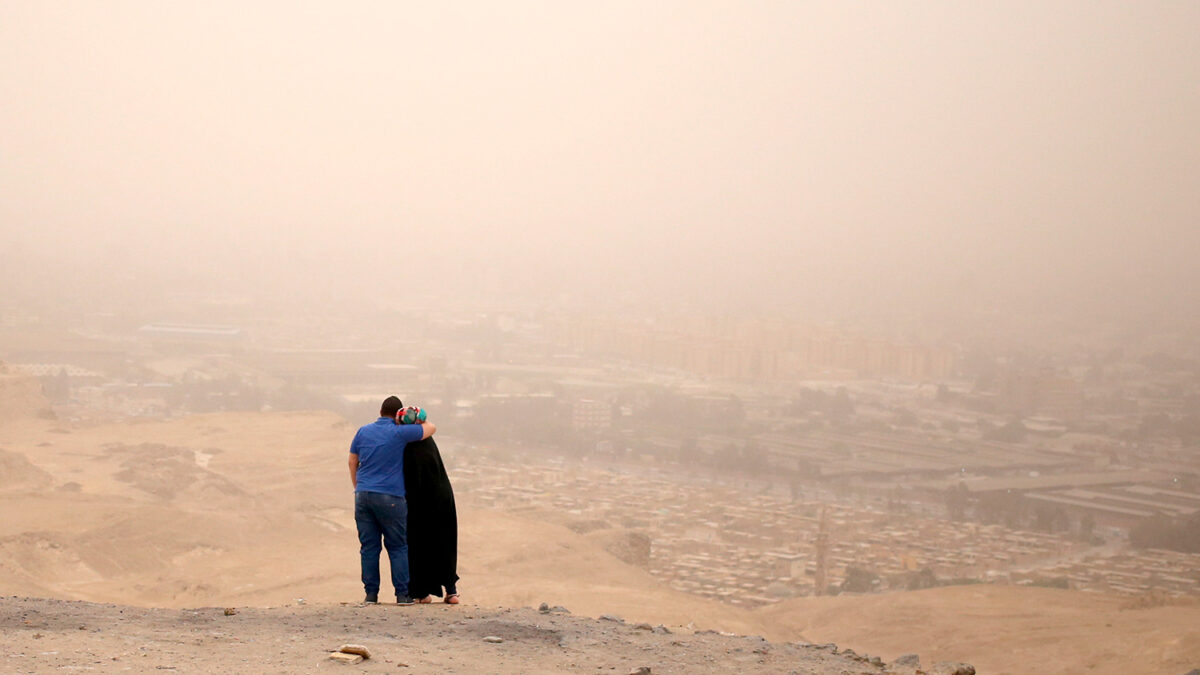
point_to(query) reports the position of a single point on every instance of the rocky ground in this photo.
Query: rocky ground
(38, 635)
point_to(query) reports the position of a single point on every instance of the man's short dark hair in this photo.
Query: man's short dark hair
(391, 406)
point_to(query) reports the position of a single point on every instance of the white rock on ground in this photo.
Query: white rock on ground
(355, 649)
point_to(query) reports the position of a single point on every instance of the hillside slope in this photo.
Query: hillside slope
(1004, 629)
(257, 509)
(21, 396)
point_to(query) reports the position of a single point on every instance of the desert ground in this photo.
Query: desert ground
(253, 510)
(53, 635)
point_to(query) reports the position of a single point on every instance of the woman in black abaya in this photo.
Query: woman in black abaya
(432, 520)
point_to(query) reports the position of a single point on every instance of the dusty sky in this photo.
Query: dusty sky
(786, 156)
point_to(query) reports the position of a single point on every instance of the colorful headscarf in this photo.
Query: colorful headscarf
(412, 415)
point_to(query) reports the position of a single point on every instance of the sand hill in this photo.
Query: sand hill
(21, 396)
(255, 510)
(1005, 629)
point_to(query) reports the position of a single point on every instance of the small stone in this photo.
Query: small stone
(876, 661)
(355, 649)
(643, 626)
(559, 609)
(230, 611)
(640, 670)
(493, 639)
(908, 660)
(544, 608)
(662, 630)
(610, 617)
(348, 659)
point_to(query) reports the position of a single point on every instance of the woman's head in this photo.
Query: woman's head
(412, 415)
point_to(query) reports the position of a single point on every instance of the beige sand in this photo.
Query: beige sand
(254, 510)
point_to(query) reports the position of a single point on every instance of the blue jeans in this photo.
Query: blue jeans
(379, 515)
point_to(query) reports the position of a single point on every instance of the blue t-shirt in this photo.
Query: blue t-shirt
(380, 450)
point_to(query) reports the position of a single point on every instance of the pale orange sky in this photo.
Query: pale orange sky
(781, 154)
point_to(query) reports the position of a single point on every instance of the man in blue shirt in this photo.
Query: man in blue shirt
(377, 472)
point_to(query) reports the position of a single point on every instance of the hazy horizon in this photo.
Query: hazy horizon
(781, 157)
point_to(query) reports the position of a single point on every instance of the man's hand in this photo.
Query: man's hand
(427, 429)
(354, 470)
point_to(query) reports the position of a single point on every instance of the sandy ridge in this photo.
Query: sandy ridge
(53, 635)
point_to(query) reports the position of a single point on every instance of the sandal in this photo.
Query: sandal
(451, 599)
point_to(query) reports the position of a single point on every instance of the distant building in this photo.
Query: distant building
(55, 369)
(367, 370)
(591, 415)
(188, 331)
(175, 338)
(517, 415)
(1043, 393)
(751, 350)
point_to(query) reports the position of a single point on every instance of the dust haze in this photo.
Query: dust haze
(789, 157)
(871, 323)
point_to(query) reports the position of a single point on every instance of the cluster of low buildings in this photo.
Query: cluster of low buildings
(748, 348)
(885, 436)
(1126, 572)
(733, 543)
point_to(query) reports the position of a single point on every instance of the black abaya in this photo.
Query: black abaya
(432, 521)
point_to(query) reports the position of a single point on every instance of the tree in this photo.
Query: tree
(1002, 507)
(689, 452)
(859, 580)
(1188, 428)
(956, 501)
(905, 418)
(1159, 531)
(1087, 525)
(754, 458)
(806, 468)
(729, 457)
(923, 579)
(842, 405)
(1012, 432)
(1043, 519)
(1060, 522)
